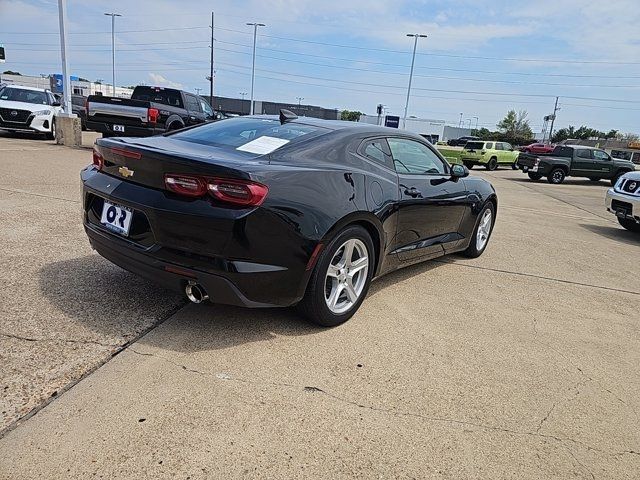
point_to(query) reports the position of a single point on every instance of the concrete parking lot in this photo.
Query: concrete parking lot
(523, 363)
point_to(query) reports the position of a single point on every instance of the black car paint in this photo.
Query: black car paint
(258, 256)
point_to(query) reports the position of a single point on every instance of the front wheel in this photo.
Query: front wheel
(534, 176)
(341, 278)
(556, 176)
(492, 164)
(482, 232)
(52, 134)
(630, 225)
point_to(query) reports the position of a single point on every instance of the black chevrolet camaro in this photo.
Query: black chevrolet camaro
(263, 211)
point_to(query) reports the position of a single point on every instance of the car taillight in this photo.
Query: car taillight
(186, 185)
(238, 192)
(152, 115)
(98, 159)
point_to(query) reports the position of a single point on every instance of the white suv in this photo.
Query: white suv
(28, 109)
(623, 200)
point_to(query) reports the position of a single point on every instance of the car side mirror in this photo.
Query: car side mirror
(459, 171)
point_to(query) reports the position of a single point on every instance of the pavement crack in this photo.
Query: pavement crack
(389, 411)
(26, 192)
(58, 340)
(540, 277)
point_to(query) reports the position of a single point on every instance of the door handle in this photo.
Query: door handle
(412, 192)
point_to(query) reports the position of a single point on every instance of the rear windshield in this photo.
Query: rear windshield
(474, 146)
(166, 96)
(23, 95)
(253, 135)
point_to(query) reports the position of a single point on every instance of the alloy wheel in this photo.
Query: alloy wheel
(346, 276)
(484, 230)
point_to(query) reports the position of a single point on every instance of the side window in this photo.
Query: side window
(411, 157)
(488, 146)
(507, 146)
(173, 99)
(499, 146)
(600, 155)
(376, 150)
(192, 103)
(583, 153)
(206, 108)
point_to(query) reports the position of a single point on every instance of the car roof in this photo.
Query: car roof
(343, 125)
(22, 87)
(587, 147)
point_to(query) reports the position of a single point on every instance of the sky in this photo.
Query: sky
(480, 59)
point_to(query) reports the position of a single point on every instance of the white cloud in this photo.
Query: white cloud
(161, 81)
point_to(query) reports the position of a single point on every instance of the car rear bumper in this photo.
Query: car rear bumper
(622, 205)
(240, 258)
(129, 131)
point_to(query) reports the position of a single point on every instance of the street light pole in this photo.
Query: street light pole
(460, 122)
(113, 49)
(476, 124)
(299, 101)
(253, 63)
(413, 60)
(66, 79)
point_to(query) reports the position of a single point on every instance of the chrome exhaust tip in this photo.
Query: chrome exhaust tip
(195, 293)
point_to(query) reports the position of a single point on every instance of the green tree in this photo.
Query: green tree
(515, 127)
(350, 115)
(10, 72)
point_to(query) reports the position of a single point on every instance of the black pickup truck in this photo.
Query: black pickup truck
(149, 111)
(573, 161)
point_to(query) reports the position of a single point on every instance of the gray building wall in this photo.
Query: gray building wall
(238, 106)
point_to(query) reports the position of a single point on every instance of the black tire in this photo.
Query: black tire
(175, 126)
(52, 134)
(314, 306)
(630, 225)
(472, 250)
(492, 164)
(534, 176)
(594, 180)
(469, 165)
(556, 176)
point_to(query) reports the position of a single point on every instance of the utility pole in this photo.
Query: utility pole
(553, 119)
(460, 122)
(113, 49)
(197, 90)
(413, 60)
(66, 80)
(211, 63)
(253, 63)
(299, 101)
(476, 124)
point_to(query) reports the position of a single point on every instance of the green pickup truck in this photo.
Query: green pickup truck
(490, 154)
(574, 161)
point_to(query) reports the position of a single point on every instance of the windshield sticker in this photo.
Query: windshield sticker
(263, 145)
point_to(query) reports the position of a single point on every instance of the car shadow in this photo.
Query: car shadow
(117, 305)
(619, 234)
(567, 181)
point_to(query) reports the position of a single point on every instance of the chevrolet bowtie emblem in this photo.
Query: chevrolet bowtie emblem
(125, 172)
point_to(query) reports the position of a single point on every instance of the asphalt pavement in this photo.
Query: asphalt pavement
(523, 363)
